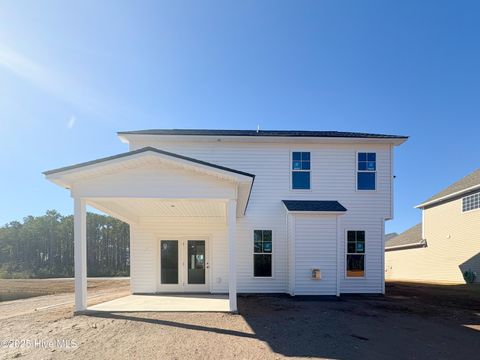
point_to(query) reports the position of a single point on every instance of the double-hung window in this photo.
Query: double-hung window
(366, 171)
(355, 259)
(300, 170)
(262, 253)
(471, 202)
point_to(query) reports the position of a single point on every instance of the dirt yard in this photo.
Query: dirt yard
(13, 289)
(411, 322)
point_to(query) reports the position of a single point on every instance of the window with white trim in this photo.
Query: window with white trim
(300, 170)
(355, 259)
(471, 202)
(262, 253)
(366, 171)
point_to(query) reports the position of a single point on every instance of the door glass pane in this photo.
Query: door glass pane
(169, 261)
(196, 261)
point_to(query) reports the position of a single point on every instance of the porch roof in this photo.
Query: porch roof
(104, 168)
(143, 150)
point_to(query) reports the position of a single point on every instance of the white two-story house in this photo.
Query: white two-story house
(227, 211)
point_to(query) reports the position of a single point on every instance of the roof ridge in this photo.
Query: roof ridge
(272, 133)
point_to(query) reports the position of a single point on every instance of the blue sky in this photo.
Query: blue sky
(72, 74)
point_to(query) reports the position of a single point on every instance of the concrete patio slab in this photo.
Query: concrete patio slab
(165, 303)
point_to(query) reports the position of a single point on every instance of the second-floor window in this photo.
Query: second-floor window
(300, 170)
(471, 202)
(366, 171)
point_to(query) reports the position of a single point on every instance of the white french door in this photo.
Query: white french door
(184, 265)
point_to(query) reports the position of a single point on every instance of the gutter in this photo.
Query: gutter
(422, 243)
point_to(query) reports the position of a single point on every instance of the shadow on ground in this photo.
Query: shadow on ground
(410, 322)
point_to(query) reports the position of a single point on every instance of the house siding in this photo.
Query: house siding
(333, 177)
(453, 246)
(372, 282)
(145, 240)
(315, 248)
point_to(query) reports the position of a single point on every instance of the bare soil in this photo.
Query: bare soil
(412, 321)
(13, 289)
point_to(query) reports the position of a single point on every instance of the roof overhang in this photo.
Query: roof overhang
(67, 176)
(129, 137)
(420, 244)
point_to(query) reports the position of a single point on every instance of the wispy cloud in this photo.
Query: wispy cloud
(63, 88)
(27, 69)
(71, 122)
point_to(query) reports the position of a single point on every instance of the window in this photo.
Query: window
(366, 171)
(471, 202)
(355, 253)
(300, 170)
(262, 253)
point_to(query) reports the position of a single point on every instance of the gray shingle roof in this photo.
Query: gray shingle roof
(411, 237)
(390, 236)
(313, 205)
(270, 133)
(468, 181)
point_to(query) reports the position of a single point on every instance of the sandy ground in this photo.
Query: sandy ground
(13, 289)
(54, 293)
(410, 322)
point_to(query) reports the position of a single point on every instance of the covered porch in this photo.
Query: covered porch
(166, 303)
(182, 214)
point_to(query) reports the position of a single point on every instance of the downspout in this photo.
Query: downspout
(423, 223)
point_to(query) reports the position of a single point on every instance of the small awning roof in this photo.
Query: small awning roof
(314, 206)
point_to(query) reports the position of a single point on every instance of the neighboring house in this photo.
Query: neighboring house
(221, 211)
(389, 236)
(446, 243)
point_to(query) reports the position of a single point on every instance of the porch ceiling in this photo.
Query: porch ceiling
(131, 209)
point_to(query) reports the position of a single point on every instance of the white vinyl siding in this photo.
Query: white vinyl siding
(315, 248)
(145, 238)
(334, 178)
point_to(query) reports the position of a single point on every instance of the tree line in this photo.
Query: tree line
(42, 247)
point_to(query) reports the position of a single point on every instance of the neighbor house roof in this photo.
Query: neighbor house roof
(408, 239)
(459, 188)
(390, 236)
(260, 133)
(314, 205)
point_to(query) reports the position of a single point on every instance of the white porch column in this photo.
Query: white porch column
(80, 254)
(232, 253)
(340, 254)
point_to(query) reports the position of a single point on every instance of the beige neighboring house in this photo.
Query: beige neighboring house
(446, 243)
